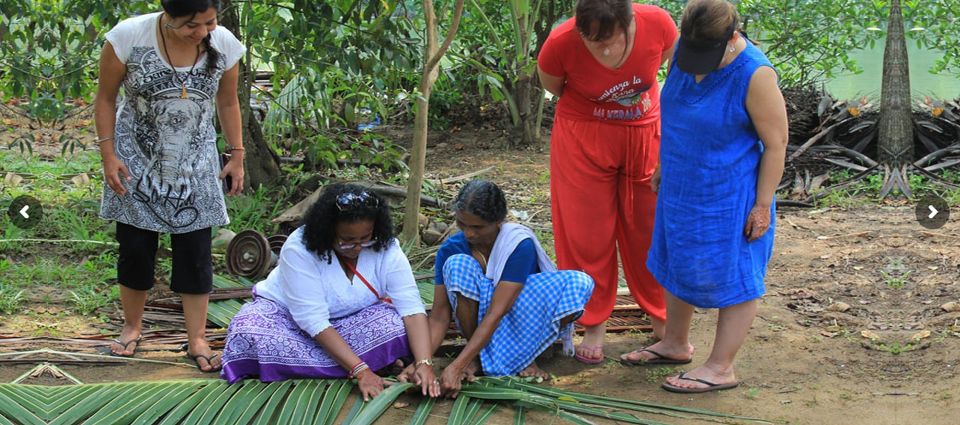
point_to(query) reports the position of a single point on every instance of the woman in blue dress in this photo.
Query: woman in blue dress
(508, 298)
(721, 159)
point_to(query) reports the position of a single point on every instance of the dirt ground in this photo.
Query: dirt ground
(856, 327)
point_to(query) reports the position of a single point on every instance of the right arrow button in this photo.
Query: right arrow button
(932, 212)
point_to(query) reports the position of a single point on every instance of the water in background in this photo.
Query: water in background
(922, 82)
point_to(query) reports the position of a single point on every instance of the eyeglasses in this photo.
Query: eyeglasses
(348, 246)
(351, 200)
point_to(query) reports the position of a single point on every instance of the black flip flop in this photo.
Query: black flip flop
(126, 344)
(209, 360)
(657, 359)
(710, 386)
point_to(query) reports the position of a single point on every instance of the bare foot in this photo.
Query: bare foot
(534, 371)
(693, 378)
(662, 348)
(126, 344)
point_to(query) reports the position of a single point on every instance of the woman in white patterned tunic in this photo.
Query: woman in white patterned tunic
(157, 140)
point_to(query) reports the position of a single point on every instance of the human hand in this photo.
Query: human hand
(758, 221)
(114, 172)
(655, 180)
(426, 378)
(451, 380)
(234, 169)
(407, 375)
(370, 384)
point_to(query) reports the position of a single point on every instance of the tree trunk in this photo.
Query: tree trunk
(896, 120)
(528, 116)
(418, 155)
(261, 164)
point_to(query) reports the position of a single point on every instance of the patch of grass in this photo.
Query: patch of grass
(752, 393)
(658, 374)
(544, 177)
(84, 283)
(895, 282)
(88, 300)
(10, 299)
(255, 211)
(864, 192)
(78, 222)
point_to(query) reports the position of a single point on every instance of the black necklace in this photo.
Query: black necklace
(176, 75)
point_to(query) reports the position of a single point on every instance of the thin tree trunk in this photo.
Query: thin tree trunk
(261, 164)
(418, 157)
(528, 118)
(896, 120)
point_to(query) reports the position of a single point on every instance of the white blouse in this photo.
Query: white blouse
(315, 291)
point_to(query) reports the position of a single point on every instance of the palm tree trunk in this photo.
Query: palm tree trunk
(896, 120)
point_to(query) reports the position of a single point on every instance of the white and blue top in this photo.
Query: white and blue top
(315, 290)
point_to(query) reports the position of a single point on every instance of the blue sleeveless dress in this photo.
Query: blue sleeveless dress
(710, 161)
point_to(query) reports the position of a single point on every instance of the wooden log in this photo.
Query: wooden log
(467, 176)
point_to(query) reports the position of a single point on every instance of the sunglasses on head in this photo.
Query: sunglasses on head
(351, 200)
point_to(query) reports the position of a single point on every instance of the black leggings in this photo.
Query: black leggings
(192, 265)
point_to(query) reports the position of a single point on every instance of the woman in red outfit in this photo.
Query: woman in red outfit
(603, 65)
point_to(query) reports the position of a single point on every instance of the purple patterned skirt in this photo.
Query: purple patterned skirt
(263, 341)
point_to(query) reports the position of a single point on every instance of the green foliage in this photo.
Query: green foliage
(83, 284)
(88, 300)
(806, 41)
(860, 193)
(253, 211)
(50, 48)
(351, 63)
(933, 23)
(10, 298)
(322, 400)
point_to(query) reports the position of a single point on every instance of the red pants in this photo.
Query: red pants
(601, 197)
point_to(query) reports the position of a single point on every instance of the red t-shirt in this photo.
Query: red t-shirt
(629, 95)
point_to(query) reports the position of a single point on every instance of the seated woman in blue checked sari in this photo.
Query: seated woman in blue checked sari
(342, 302)
(507, 297)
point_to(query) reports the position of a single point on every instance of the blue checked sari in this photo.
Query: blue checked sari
(532, 324)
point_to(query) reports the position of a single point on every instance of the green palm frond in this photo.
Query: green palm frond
(309, 402)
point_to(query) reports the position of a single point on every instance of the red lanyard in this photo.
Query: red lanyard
(369, 286)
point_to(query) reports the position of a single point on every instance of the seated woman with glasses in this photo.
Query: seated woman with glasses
(506, 295)
(342, 302)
